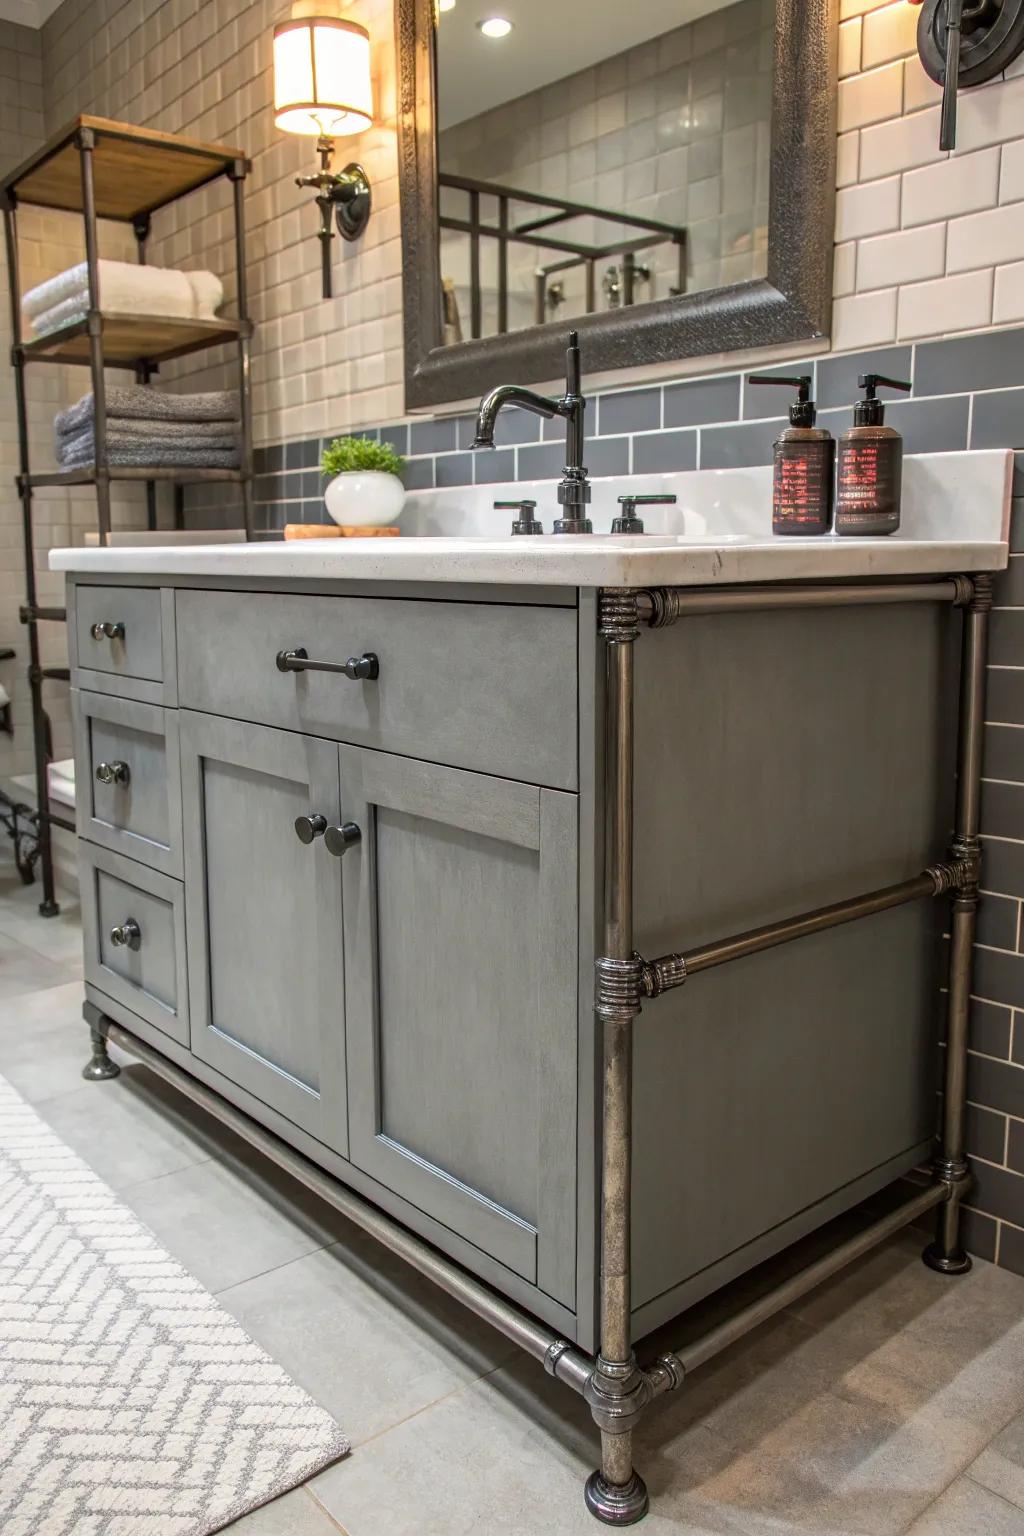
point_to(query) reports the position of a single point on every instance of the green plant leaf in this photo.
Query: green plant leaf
(346, 454)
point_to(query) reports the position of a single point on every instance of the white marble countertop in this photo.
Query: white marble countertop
(955, 518)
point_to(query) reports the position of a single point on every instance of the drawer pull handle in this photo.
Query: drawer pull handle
(309, 828)
(365, 668)
(107, 629)
(113, 773)
(339, 840)
(127, 934)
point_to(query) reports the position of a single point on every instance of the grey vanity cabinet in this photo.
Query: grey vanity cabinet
(263, 914)
(460, 915)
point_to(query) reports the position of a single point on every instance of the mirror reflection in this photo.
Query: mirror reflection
(587, 167)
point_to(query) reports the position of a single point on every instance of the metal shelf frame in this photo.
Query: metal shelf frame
(86, 136)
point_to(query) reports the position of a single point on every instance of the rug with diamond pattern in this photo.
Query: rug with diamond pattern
(131, 1403)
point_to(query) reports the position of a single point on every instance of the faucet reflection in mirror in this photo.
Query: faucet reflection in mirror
(322, 87)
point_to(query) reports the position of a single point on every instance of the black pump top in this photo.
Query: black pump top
(802, 412)
(870, 412)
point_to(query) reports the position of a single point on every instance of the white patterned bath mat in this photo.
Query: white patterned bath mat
(131, 1403)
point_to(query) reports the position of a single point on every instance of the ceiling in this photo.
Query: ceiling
(551, 39)
(30, 13)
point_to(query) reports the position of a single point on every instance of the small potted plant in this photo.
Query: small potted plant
(364, 489)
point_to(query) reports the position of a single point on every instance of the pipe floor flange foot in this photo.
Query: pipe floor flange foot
(49, 909)
(617, 1505)
(957, 1263)
(100, 1069)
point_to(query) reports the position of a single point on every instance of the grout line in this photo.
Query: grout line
(306, 1489)
(1017, 1508)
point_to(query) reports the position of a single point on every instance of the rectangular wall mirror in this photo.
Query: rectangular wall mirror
(660, 175)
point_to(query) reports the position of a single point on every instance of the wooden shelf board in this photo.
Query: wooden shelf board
(135, 170)
(183, 476)
(129, 340)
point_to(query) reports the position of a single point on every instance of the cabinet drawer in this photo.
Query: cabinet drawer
(127, 775)
(474, 685)
(121, 636)
(122, 900)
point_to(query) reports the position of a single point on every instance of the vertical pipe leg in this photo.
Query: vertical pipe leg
(237, 176)
(617, 1391)
(946, 1253)
(99, 1068)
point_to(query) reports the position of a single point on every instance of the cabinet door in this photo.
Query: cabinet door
(461, 990)
(263, 915)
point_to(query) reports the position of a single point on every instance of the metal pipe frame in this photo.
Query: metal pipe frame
(616, 1387)
(237, 175)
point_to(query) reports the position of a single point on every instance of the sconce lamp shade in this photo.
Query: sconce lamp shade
(322, 76)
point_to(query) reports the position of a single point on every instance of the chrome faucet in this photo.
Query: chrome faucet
(574, 487)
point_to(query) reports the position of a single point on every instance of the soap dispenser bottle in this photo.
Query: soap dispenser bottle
(869, 475)
(804, 463)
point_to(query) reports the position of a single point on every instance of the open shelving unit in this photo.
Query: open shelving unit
(108, 170)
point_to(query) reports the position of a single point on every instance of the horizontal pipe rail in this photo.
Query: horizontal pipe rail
(561, 1359)
(717, 1339)
(661, 607)
(53, 820)
(27, 615)
(672, 970)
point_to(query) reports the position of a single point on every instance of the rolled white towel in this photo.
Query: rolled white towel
(126, 288)
(5, 697)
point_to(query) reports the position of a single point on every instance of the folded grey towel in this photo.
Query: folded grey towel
(145, 402)
(152, 456)
(223, 438)
(134, 427)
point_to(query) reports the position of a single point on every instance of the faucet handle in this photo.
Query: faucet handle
(525, 522)
(628, 522)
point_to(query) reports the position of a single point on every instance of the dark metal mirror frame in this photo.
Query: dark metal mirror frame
(793, 303)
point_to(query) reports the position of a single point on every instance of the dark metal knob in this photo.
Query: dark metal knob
(628, 522)
(128, 934)
(340, 839)
(362, 667)
(107, 629)
(308, 828)
(113, 773)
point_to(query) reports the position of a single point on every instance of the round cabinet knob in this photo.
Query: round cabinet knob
(340, 839)
(113, 773)
(127, 934)
(361, 668)
(107, 629)
(307, 828)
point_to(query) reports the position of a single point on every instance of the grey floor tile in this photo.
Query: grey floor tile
(966, 1509)
(227, 1223)
(1000, 1467)
(44, 1042)
(293, 1514)
(55, 938)
(25, 970)
(367, 1337)
(130, 1130)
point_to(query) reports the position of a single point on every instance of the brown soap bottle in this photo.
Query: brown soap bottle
(869, 473)
(804, 462)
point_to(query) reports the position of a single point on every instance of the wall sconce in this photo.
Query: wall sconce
(322, 87)
(966, 42)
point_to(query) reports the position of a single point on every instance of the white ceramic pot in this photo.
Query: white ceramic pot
(365, 498)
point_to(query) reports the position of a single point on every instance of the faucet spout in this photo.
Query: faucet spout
(493, 404)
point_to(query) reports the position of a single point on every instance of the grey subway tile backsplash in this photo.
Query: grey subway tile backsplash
(1015, 1146)
(998, 420)
(986, 1134)
(837, 376)
(516, 426)
(997, 922)
(1006, 640)
(996, 1084)
(543, 461)
(991, 1029)
(998, 1191)
(419, 474)
(1004, 755)
(661, 452)
(701, 401)
(1011, 1249)
(1002, 816)
(732, 447)
(980, 1234)
(432, 436)
(608, 456)
(1003, 862)
(397, 437)
(454, 469)
(303, 454)
(999, 977)
(1008, 588)
(989, 360)
(636, 410)
(494, 466)
(930, 426)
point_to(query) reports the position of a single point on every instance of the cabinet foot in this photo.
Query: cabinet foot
(99, 1068)
(958, 1262)
(615, 1505)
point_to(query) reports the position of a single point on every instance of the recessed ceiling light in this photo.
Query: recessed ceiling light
(446, 5)
(495, 26)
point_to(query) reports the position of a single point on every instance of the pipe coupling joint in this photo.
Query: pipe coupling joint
(664, 607)
(554, 1353)
(963, 591)
(955, 1174)
(617, 1394)
(667, 1374)
(617, 988)
(661, 975)
(981, 592)
(618, 612)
